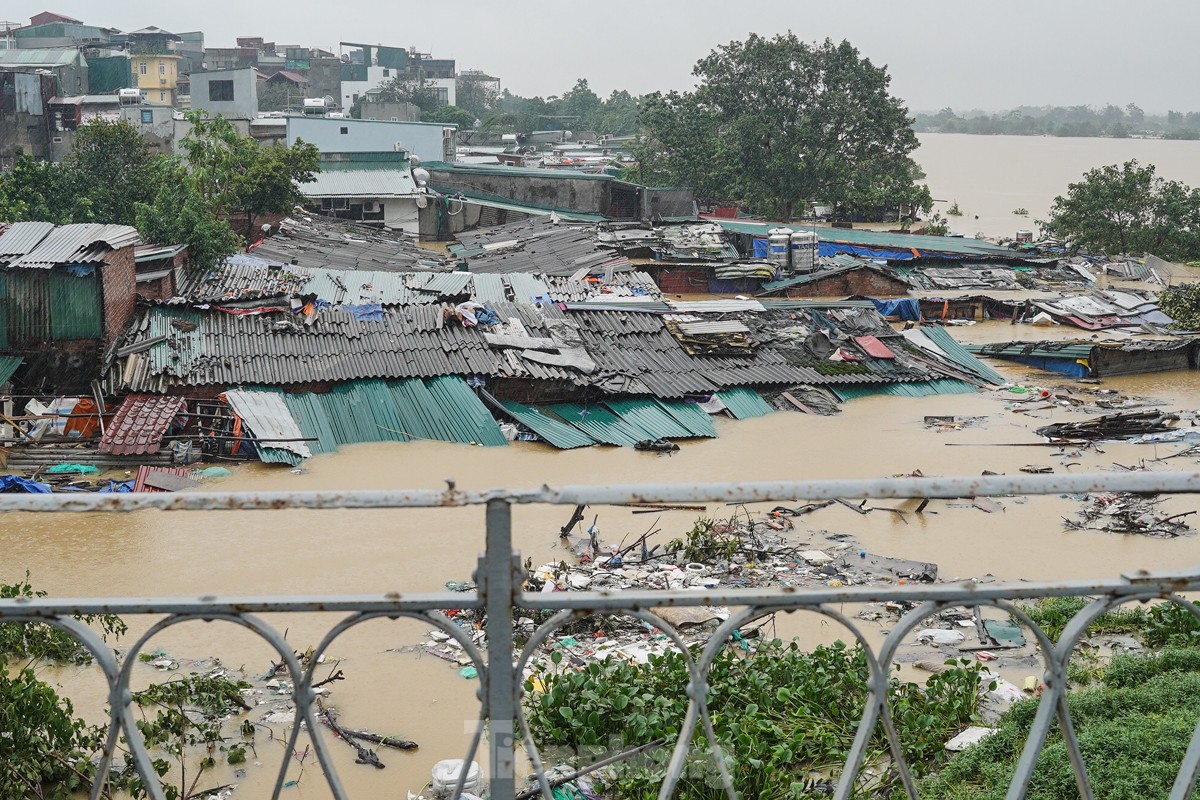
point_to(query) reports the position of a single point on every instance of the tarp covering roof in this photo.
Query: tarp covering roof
(139, 424)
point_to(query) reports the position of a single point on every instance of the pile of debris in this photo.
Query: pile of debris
(1126, 512)
(1112, 426)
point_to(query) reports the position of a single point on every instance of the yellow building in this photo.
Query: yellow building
(157, 77)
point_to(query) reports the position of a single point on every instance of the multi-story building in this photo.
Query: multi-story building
(157, 76)
(366, 67)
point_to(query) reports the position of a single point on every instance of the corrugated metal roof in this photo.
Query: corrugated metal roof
(550, 428)
(365, 183)
(247, 277)
(444, 409)
(448, 283)
(658, 420)
(8, 365)
(879, 239)
(714, 306)
(85, 243)
(39, 57)
(139, 424)
(961, 356)
(20, 238)
(268, 418)
(326, 242)
(744, 403)
(921, 389)
(144, 472)
(599, 423)
(489, 288)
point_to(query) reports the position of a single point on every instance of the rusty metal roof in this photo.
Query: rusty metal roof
(139, 424)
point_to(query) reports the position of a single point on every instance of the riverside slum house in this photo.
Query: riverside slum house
(298, 360)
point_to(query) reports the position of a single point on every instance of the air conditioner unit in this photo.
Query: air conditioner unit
(398, 147)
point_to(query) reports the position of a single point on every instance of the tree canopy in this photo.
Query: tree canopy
(776, 123)
(1128, 209)
(112, 176)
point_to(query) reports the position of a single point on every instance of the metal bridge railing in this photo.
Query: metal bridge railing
(500, 596)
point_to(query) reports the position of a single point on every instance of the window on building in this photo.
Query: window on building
(143, 69)
(162, 69)
(344, 130)
(220, 91)
(162, 97)
(148, 115)
(442, 94)
(387, 73)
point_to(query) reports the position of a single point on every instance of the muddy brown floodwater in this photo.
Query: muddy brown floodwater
(423, 698)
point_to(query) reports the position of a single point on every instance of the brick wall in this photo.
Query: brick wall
(118, 291)
(866, 282)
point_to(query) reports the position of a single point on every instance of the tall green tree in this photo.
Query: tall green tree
(775, 123)
(236, 176)
(113, 166)
(476, 94)
(1128, 209)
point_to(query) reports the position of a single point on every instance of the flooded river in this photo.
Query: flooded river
(423, 698)
(992, 176)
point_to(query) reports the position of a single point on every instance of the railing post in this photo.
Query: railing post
(498, 569)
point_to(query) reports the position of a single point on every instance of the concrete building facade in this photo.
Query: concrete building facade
(428, 141)
(231, 93)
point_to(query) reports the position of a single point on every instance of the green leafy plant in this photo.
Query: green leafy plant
(780, 715)
(37, 640)
(1021, 212)
(954, 210)
(183, 718)
(1133, 732)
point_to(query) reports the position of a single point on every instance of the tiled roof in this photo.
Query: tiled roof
(139, 424)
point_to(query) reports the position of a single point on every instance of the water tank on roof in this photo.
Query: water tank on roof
(779, 242)
(1024, 236)
(804, 251)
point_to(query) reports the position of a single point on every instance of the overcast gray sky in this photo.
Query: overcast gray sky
(991, 54)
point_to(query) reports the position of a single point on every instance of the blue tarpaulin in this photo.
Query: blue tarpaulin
(833, 248)
(760, 248)
(15, 483)
(904, 308)
(370, 312)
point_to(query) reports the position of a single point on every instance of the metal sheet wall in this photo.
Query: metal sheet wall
(75, 309)
(28, 307)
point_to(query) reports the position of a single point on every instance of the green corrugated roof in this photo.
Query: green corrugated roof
(744, 403)
(876, 239)
(922, 389)
(599, 423)
(8, 365)
(443, 409)
(1079, 351)
(549, 427)
(691, 416)
(662, 420)
(959, 354)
